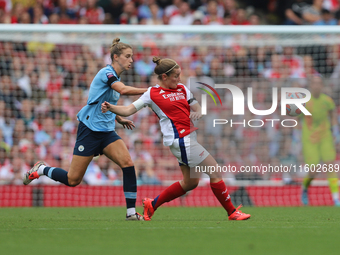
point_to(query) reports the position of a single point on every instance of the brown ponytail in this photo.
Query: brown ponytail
(117, 47)
(164, 66)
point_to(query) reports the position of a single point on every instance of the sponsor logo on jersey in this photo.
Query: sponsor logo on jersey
(202, 153)
(162, 91)
(182, 131)
(174, 96)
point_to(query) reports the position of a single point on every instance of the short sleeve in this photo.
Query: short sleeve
(111, 77)
(330, 103)
(190, 96)
(144, 100)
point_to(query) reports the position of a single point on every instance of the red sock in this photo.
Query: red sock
(221, 193)
(170, 193)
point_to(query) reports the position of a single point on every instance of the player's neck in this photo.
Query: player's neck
(316, 95)
(164, 86)
(117, 69)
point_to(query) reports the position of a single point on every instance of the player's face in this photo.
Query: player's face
(174, 78)
(125, 59)
(316, 86)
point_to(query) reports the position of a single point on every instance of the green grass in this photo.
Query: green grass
(300, 230)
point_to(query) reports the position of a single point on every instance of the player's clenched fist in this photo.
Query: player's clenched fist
(105, 107)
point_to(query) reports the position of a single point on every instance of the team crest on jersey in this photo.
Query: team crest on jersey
(81, 148)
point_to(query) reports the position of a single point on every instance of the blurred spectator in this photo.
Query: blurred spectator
(144, 164)
(6, 5)
(307, 71)
(38, 16)
(26, 146)
(100, 172)
(18, 131)
(48, 133)
(227, 19)
(312, 13)
(276, 71)
(63, 13)
(129, 15)
(5, 166)
(240, 18)
(184, 16)
(197, 18)
(212, 17)
(38, 94)
(83, 20)
(173, 9)
(55, 19)
(156, 18)
(215, 70)
(144, 67)
(17, 12)
(11, 94)
(327, 18)
(62, 145)
(145, 12)
(260, 60)
(254, 19)
(292, 60)
(18, 170)
(55, 81)
(5, 18)
(95, 14)
(115, 9)
(294, 10)
(27, 112)
(230, 7)
(7, 123)
(25, 18)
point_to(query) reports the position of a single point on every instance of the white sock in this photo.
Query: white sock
(335, 196)
(131, 211)
(41, 170)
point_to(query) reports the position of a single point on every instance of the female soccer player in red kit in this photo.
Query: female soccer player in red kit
(172, 102)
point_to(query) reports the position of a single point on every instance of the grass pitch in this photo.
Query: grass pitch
(281, 230)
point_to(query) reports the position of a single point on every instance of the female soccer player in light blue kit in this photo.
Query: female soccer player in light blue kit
(96, 131)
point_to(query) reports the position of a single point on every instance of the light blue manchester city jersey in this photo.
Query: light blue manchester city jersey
(100, 91)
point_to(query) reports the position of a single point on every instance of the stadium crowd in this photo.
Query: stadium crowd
(44, 85)
(171, 12)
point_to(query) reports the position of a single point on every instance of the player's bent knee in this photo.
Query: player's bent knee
(191, 185)
(74, 182)
(126, 163)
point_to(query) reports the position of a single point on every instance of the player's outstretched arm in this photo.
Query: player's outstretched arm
(118, 109)
(196, 113)
(127, 90)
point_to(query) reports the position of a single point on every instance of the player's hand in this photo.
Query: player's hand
(105, 107)
(126, 123)
(195, 115)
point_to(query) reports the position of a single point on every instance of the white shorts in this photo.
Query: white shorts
(188, 151)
